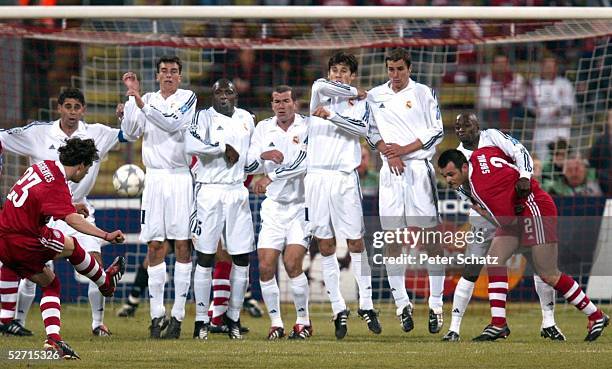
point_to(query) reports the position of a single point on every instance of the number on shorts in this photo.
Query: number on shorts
(528, 226)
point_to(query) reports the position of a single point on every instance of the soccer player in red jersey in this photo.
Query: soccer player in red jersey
(26, 243)
(526, 216)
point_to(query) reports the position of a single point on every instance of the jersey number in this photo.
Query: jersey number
(32, 178)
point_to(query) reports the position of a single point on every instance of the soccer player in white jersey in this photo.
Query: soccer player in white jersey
(283, 222)
(39, 141)
(162, 117)
(220, 136)
(468, 131)
(410, 124)
(339, 118)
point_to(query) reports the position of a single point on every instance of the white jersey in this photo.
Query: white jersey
(40, 140)
(206, 138)
(269, 136)
(410, 114)
(509, 145)
(163, 123)
(552, 102)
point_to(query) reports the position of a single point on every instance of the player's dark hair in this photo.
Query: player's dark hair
(169, 59)
(342, 57)
(71, 93)
(452, 156)
(77, 151)
(282, 89)
(399, 54)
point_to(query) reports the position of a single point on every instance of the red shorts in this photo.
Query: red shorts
(27, 255)
(537, 223)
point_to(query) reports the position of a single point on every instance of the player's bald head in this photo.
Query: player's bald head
(223, 83)
(468, 117)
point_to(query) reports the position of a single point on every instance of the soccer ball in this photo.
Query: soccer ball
(129, 180)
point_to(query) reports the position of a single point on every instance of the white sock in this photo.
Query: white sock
(301, 291)
(461, 299)
(363, 276)
(271, 296)
(331, 278)
(239, 280)
(202, 284)
(157, 281)
(547, 296)
(96, 301)
(436, 286)
(396, 278)
(182, 280)
(25, 297)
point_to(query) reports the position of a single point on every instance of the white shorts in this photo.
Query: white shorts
(87, 242)
(333, 205)
(281, 225)
(226, 206)
(409, 200)
(480, 249)
(166, 205)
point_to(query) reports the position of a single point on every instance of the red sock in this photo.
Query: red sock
(50, 309)
(221, 290)
(9, 283)
(86, 265)
(575, 296)
(498, 290)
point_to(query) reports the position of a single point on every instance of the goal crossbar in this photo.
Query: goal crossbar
(304, 12)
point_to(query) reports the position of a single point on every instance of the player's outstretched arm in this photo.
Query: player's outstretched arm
(21, 140)
(78, 222)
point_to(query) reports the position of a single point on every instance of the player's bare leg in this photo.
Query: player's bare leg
(396, 277)
(545, 263)
(363, 275)
(293, 259)
(156, 254)
(268, 261)
(501, 250)
(331, 278)
(182, 280)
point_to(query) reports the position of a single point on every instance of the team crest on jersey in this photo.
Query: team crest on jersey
(57, 234)
(409, 104)
(296, 139)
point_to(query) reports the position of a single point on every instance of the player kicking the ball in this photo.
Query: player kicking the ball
(26, 243)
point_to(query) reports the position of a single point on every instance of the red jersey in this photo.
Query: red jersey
(42, 192)
(493, 176)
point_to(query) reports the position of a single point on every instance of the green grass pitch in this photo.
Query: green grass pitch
(130, 348)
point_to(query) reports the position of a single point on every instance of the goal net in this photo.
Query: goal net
(546, 82)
